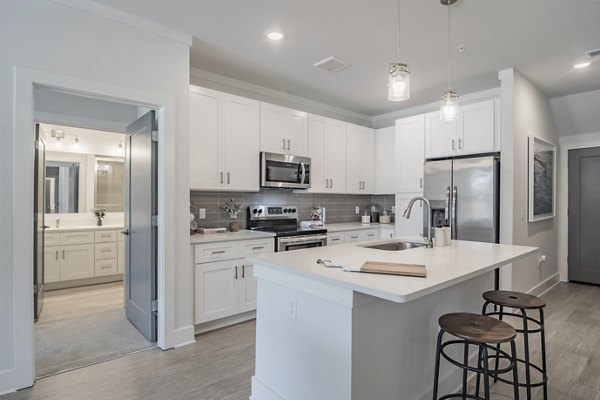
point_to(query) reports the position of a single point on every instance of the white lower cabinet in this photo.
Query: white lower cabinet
(224, 281)
(335, 238)
(357, 235)
(52, 264)
(63, 263)
(121, 257)
(387, 232)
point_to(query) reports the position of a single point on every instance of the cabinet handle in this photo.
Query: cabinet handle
(421, 183)
(221, 177)
(57, 254)
(243, 271)
(460, 143)
(236, 272)
(228, 178)
(331, 183)
(105, 235)
(258, 248)
(283, 141)
(105, 266)
(218, 252)
(63, 254)
(105, 250)
(288, 144)
(453, 144)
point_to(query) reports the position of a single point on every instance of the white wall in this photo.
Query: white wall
(526, 111)
(577, 114)
(47, 36)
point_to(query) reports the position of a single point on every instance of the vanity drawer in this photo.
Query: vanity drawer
(256, 246)
(209, 252)
(77, 237)
(104, 251)
(51, 239)
(106, 236)
(105, 267)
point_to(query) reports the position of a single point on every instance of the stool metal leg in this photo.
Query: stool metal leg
(479, 366)
(543, 339)
(526, 349)
(486, 375)
(437, 364)
(513, 348)
(498, 346)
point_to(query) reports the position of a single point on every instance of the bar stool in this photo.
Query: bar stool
(522, 302)
(481, 331)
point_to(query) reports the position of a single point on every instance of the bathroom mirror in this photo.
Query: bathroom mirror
(62, 187)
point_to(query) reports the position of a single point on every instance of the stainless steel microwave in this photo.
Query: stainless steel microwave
(284, 171)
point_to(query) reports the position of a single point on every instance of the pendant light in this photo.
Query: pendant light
(399, 75)
(449, 105)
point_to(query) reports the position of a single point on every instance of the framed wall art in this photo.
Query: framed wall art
(542, 179)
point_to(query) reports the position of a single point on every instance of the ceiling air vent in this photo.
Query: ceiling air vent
(331, 64)
(592, 53)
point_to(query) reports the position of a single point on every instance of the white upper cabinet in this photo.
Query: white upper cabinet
(471, 133)
(224, 141)
(385, 160)
(283, 130)
(410, 153)
(360, 159)
(327, 151)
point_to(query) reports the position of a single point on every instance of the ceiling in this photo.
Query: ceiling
(540, 38)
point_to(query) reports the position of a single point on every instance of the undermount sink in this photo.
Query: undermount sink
(395, 245)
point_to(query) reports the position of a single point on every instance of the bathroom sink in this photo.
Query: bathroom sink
(395, 245)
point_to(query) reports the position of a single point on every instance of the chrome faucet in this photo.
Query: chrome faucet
(407, 215)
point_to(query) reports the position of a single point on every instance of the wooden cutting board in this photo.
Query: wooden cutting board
(376, 267)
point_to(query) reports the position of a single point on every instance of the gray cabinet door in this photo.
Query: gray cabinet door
(584, 215)
(140, 207)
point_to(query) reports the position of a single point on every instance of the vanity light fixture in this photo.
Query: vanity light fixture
(449, 104)
(398, 75)
(59, 136)
(76, 142)
(274, 35)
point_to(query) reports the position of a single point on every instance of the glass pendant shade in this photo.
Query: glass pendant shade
(449, 106)
(398, 82)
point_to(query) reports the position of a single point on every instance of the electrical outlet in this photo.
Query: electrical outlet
(292, 308)
(357, 209)
(543, 258)
(202, 213)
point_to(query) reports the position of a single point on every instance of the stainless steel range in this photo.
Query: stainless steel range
(283, 221)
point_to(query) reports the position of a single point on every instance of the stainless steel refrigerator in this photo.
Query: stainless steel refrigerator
(465, 195)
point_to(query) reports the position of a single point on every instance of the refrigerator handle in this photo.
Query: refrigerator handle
(447, 208)
(453, 222)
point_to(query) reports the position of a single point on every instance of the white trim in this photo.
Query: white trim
(388, 119)
(568, 143)
(278, 97)
(224, 322)
(53, 118)
(22, 193)
(134, 21)
(182, 336)
(545, 285)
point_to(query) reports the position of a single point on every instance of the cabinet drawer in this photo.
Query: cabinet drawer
(51, 239)
(334, 238)
(215, 252)
(105, 267)
(256, 246)
(105, 236)
(352, 236)
(105, 251)
(369, 234)
(77, 237)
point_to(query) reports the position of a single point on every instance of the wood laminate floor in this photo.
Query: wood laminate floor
(220, 364)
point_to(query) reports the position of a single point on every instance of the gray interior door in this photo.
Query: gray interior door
(140, 241)
(39, 208)
(475, 193)
(584, 215)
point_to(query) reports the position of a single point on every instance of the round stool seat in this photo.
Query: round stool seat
(514, 299)
(477, 328)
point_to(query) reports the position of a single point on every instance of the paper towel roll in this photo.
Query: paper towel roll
(439, 239)
(447, 235)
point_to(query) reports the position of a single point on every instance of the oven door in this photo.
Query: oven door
(300, 242)
(284, 171)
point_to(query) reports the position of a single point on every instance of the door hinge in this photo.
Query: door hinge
(154, 220)
(37, 145)
(155, 136)
(154, 305)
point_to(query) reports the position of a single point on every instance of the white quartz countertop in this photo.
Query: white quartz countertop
(352, 226)
(446, 266)
(83, 228)
(243, 234)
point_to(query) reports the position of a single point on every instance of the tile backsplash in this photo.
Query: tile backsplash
(339, 207)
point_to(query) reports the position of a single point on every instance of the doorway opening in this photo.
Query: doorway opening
(95, 273)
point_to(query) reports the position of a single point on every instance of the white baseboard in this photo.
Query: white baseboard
(83, 282)
(184, 336)
(224, 322)
(260, 391)
(7, 381)
(546, 285)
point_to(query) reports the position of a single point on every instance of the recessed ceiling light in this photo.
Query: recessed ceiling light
(275, 35)
(582, 65)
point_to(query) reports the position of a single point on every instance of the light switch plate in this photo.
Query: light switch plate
(202, 213)
(357, 209)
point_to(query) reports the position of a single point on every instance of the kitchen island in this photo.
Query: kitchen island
(323, 333)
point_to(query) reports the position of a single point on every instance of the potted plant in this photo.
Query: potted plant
(99, 213)
(232, 208)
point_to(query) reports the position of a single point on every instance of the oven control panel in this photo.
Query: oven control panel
(264, 211)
